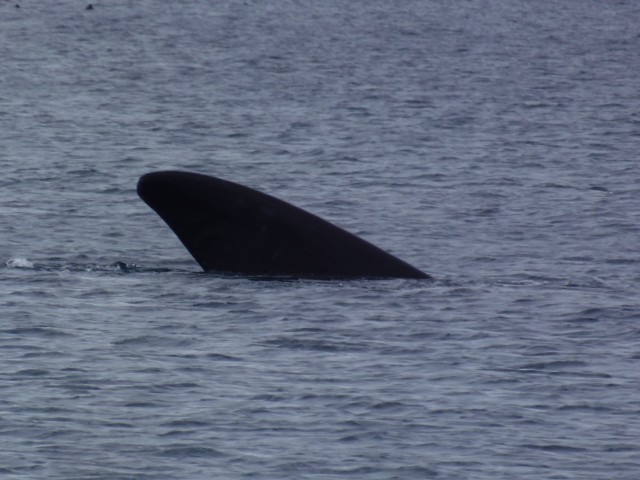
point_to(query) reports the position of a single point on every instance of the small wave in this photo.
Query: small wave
(35, 331)
(187, 451)
(312, 344)
(19, 263)
(115, 267)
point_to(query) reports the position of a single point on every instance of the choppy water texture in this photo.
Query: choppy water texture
(493, 144)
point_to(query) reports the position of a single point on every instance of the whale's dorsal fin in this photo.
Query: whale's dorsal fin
(231, 228)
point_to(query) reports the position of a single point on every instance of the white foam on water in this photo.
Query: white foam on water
(19, 263)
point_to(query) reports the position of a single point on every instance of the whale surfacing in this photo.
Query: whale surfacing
(231, 228)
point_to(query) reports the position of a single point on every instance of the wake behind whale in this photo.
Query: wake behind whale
(231, 228)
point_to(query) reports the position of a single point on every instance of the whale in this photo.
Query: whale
(233, 229)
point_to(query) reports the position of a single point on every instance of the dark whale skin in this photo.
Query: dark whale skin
(234, 229)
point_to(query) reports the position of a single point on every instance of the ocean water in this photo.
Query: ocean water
(493, 144)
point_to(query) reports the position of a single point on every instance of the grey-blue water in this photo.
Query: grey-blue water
(493, 144)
